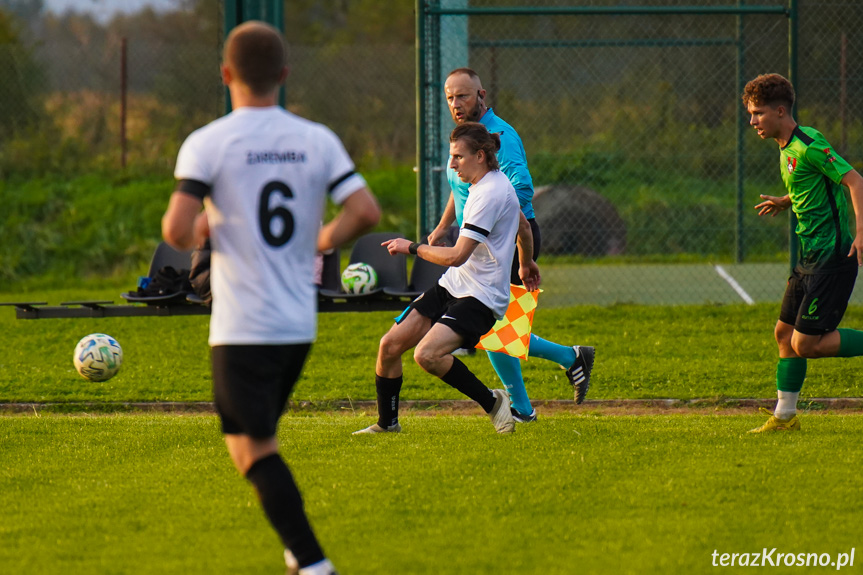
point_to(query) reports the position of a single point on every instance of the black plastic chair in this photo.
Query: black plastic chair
(392, 271)
(424, 275)
(330, 275)
(163, 256)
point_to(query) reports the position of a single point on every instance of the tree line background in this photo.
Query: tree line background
(352, 69)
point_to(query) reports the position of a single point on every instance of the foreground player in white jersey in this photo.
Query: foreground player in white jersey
(263, 175)
(471, 295)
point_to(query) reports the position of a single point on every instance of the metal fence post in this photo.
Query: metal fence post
(238, 11)
(793, 30)
(420, 114)
(741, 122)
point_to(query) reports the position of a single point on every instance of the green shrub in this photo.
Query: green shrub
(106, 224)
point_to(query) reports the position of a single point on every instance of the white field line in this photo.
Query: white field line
(733, 283)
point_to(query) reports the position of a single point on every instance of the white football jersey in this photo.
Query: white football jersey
(269, 173)
(491, 218)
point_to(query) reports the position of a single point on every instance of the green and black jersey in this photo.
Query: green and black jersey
(812, 173)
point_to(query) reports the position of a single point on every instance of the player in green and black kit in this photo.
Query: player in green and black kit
(821, 283)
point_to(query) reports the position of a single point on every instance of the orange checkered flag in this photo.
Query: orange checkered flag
(511, 335)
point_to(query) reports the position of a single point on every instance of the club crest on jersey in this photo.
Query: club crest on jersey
(830, 157)
(792, 164)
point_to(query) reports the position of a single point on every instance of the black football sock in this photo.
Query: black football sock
(283, 505)
(388, 389)
(461, 378)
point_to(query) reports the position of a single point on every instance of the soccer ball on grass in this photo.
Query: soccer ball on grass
(98, 357)
(359, 278)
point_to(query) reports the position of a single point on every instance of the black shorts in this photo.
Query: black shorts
(815, 303)
(467, 316)
(537, 243)
(252, 383)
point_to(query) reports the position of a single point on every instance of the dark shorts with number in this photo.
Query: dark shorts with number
(467, 316)
(252, 383)
(815, 303)
(537, 243)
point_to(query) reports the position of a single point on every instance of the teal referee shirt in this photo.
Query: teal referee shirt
(513, 163)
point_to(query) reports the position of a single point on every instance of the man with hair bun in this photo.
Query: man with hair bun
(821, 283)
(264, 176)
(470, 296)
(465, 97)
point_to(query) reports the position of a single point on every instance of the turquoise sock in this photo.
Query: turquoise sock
(508, 369)
(790, 373)
(850, 343)
(555, 352)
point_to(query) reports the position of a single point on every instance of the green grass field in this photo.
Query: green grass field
(577, 492)
(571, 494)
(680, 352)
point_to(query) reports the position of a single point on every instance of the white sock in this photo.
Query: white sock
(324, 567)
(786, 407)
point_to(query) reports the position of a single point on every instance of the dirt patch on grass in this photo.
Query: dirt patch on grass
(711, 406)
(628, 406)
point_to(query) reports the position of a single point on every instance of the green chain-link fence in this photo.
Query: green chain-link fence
(636, 138)
(644, 165)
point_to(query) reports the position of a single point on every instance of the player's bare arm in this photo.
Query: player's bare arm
(360, 212)
(528, 271)
(773, 205)
(179, 222)
(439, 233)
(854, 182)
(201, 228)
(441, 255)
